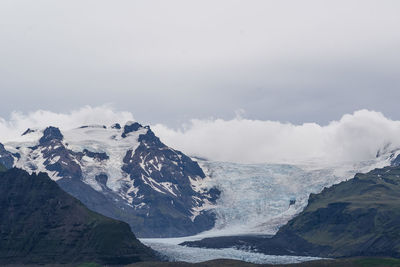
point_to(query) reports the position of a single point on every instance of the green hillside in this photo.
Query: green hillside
(41, 224)
(359, 217)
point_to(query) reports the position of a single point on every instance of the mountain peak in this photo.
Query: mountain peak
(116, 126)
(28, 131)
(49, 134)
(135, 178)
(130, 127)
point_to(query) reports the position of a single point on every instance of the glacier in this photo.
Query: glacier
(257, 199)
(173, 252)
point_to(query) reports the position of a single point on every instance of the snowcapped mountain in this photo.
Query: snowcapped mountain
(123, 172)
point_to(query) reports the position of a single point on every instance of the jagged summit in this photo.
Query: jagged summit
(125, 172)
(116, 126)
(28, 131)
(49, 134)
(130, 127)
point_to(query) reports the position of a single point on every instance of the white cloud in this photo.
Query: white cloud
(40, 119)
(356, 136)
(280, 60)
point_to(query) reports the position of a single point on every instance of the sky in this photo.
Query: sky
(232, 80)
(173, 61)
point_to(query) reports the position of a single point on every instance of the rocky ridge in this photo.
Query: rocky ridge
(126, 173)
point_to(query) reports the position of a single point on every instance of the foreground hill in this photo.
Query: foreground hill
(124, 172)
(41, 224)
(347, 262)
(358, 217)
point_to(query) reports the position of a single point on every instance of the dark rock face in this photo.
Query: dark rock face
(6, 157)
(96, 155)
(28, 131)
(129, 128)
(41, 224)
(396, 161)
(163, 176)
(102, 179)
(51, 134)
(359, 217)
(57, 157)
(116, 126)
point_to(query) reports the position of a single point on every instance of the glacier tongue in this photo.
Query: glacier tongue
(259, 198)
(169, 248)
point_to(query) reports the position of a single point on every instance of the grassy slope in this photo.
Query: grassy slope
(40, 223)
(354, 218)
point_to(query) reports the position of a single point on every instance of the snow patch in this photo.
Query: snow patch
(98, 139)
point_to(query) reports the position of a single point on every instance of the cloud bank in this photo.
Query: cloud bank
(355, 137)
(105, 115)
(279, 60)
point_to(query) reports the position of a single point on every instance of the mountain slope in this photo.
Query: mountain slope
(40, 223)
(354, 218)
(358, 217)
(126, 173)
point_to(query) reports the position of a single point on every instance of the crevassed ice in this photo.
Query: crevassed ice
(256, 198)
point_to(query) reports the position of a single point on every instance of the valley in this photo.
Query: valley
(186, 209)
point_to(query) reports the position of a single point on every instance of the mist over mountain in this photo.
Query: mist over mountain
(125, 171)
(122, 171)
(354, 137)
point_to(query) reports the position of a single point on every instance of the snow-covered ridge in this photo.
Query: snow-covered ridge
(103, 140)
(126, 164)
(93, 138)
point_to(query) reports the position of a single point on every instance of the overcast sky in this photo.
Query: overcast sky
(172, 61)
